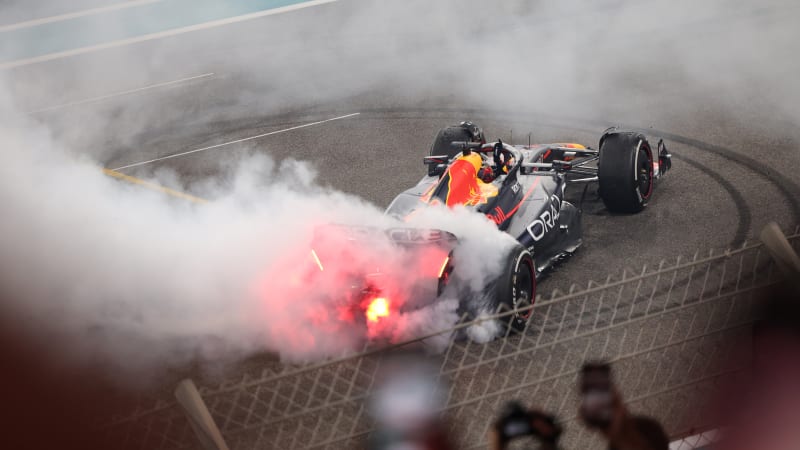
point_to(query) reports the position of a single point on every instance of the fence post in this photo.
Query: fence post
(781, 250)
(199, 417)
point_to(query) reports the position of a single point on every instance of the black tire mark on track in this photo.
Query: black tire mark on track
(743, 211)
(787, 186)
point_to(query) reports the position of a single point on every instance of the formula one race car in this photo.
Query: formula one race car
(521, 189)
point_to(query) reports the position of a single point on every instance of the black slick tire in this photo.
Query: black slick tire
(625, 172)
(515, 288)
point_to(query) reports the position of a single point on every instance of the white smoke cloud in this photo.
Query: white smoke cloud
(134, 278)
(650, 62)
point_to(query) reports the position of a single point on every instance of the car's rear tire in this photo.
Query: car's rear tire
(625, 172)
(515, 288)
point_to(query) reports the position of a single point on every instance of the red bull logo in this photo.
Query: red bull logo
(460, 185)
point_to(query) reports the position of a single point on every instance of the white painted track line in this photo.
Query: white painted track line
(75, 15)
(237, 141)
(159, 35)
(120, 93)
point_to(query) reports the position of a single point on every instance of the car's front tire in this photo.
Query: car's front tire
(625, 172)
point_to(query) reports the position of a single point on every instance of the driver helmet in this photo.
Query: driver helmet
(475, 132)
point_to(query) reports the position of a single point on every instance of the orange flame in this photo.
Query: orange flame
(379, 307)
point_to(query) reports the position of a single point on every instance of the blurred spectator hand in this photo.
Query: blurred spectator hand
(602, 409)
(515, 422)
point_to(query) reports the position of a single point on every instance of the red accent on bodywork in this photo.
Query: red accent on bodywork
(528, 314)
(651, 174)
(501, 216)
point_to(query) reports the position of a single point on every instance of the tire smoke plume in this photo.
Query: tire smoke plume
(110, 273)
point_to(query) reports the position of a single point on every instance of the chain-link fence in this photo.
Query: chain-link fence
(698, 441)
(674, 334)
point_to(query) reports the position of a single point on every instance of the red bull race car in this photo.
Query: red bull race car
(521, 189)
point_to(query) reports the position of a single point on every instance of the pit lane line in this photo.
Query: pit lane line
(237, 141)
(160, 34)
(75, 15)
(120, 93)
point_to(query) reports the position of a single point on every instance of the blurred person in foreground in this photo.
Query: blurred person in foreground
(407, 405)
(602, 410)
(763, 409)
(517, 424)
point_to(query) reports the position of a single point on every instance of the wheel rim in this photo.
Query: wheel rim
(526, 290)
(644, 172)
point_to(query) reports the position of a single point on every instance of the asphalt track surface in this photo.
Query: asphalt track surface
(733, 170)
